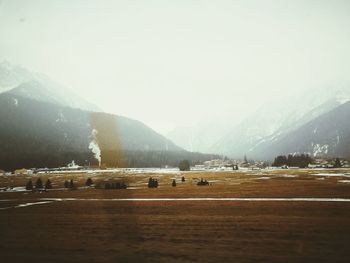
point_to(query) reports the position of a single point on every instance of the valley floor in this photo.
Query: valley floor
(95, 225)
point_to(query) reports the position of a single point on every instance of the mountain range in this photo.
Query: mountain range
(43, 127)
(327, 135)
(259, 136)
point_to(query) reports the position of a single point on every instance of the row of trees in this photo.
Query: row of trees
(48, 184)
(71, 185)
(297, 160)
(38, 185)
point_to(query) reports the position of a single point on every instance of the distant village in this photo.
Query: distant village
(251, 164)
(215, 164)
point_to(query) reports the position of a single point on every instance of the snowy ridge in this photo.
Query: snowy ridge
(22, 82)
(276, 119)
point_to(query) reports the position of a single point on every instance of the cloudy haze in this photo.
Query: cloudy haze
(173, 64)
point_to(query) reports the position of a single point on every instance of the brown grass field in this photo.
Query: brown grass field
(106, 230)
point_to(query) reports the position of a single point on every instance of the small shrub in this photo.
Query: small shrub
(29, 185)
(48, 184)
(72, 185)
(152, 183)
(89, 182)
(202, 182)
(184, 165)
(66, 184)
(39, 184)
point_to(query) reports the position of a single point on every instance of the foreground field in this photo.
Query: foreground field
(80, 229)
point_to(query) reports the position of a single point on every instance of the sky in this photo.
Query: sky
(176, 63)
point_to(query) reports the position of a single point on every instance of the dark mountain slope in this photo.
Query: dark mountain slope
(278, 118)
(39, 134)
(36, 134)
(326, 135)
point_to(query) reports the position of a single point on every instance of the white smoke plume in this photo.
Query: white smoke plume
(94, 146)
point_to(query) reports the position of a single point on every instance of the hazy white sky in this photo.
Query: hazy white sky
(172, 63)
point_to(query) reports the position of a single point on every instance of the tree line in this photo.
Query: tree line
(295, 160)
(38, 185)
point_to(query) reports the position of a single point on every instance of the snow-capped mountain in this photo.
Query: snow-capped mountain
(20, 81)
(276, 119)
(328, 135)
(11, 76)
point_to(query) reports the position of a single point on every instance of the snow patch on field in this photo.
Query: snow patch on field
(287, 175)
(27, 204)
(35, 203)
(152, 171)
(328, 174)
(13, 189)
(344, 181)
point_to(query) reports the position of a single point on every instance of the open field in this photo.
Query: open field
(94, 225)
